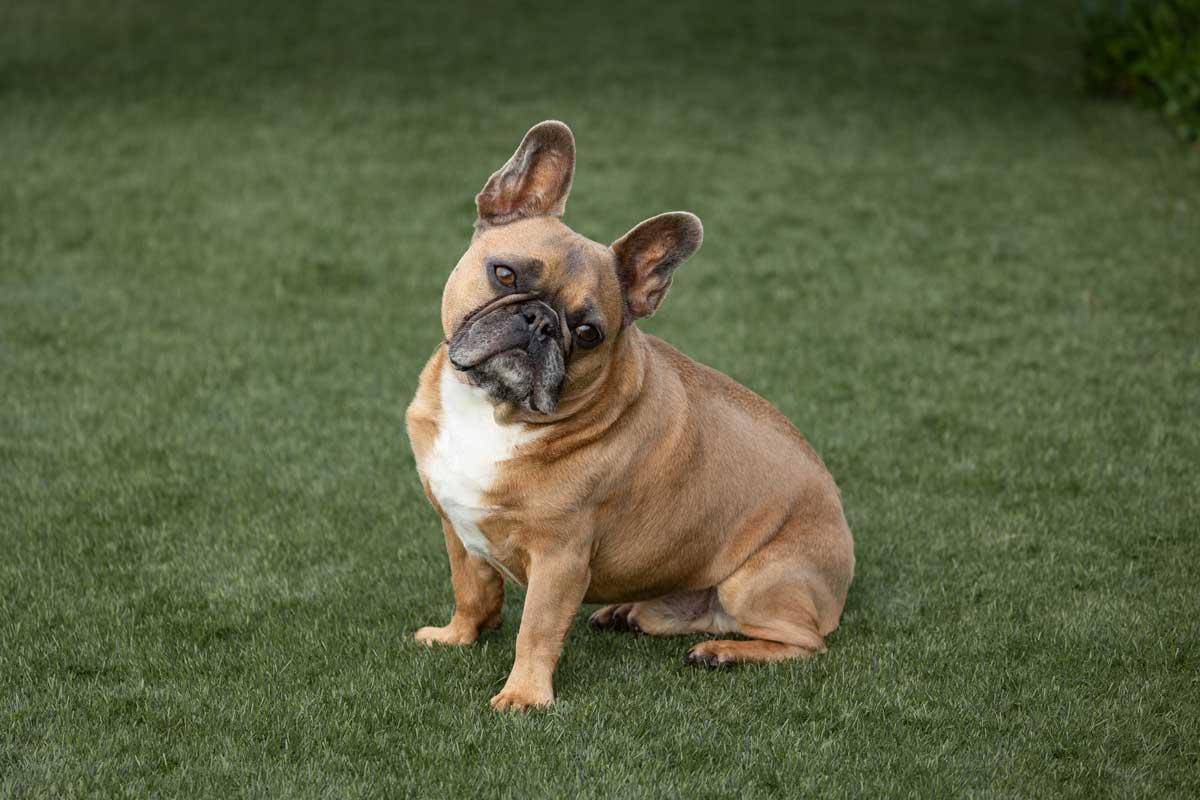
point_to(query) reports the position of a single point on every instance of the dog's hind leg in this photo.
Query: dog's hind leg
(787, 597)
(670, 615)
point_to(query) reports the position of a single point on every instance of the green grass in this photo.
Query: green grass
(223, 235)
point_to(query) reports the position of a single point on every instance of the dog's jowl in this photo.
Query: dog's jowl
(568, 451)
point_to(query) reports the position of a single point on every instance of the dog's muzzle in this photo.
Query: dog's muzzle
(513, 348)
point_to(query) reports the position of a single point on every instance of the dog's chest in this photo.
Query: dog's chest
(466, 457)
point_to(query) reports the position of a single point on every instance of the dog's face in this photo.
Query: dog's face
(533, 310)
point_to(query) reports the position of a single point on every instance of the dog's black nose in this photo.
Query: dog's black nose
(541, 319)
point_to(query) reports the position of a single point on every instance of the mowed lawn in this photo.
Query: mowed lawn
(223, 236)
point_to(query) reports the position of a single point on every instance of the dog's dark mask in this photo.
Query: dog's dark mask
(513, 349)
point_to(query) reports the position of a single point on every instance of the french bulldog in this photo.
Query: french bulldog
(571, 453)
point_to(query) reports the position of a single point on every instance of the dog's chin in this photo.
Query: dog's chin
(514, 377)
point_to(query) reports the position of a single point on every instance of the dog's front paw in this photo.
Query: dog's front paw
(522, 698)
(450, 634)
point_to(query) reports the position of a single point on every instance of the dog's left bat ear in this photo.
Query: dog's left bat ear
(536, 180)
(648, 255)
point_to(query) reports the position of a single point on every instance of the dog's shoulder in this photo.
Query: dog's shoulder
(708, 387)
(424, 413)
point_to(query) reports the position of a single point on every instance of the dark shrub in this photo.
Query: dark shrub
(1148, 50)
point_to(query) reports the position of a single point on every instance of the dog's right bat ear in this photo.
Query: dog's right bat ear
(536, 180)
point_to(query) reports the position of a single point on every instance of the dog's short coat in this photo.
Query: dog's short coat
(571, 453)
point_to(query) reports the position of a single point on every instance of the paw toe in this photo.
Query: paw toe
(703, 657)
(613, 618)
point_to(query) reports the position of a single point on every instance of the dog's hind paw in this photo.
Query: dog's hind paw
(614, 618)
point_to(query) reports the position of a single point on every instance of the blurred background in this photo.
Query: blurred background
(939, 236)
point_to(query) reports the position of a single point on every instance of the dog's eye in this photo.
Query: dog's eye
(505, 275)
(588, 336)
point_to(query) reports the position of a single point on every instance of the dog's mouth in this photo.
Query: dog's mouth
(513, 349)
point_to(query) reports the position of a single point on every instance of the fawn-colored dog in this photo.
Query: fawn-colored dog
(569, 452)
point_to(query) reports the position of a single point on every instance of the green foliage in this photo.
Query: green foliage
(1149, 50)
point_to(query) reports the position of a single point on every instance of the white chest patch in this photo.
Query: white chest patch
(466, 456)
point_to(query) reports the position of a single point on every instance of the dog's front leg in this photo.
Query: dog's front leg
(478, 596)
(558, 582)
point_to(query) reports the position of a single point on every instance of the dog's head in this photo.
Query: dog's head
(533, 310)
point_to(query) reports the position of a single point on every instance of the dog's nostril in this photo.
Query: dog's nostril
(541, 324)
